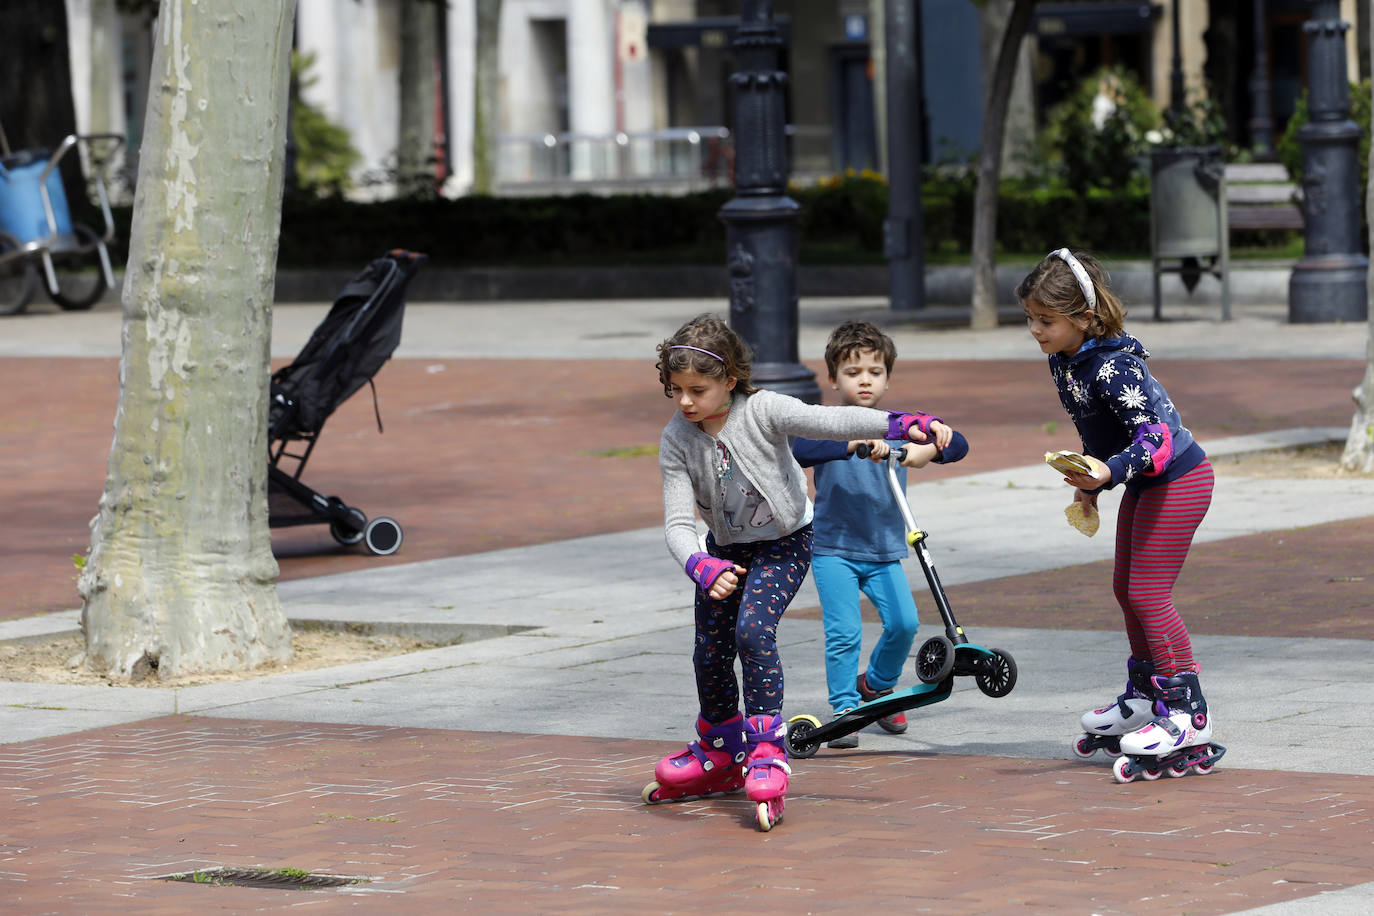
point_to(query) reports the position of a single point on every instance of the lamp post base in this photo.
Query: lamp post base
(1329, 288)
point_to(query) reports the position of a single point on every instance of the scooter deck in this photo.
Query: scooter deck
(866, 714)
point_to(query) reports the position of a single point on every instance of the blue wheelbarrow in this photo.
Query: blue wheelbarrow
(37, 231)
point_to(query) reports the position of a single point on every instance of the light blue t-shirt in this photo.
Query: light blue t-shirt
(856, 517)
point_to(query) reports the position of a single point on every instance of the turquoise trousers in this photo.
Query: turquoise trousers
(840, 582)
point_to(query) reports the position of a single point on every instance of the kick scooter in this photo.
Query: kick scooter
(938, 661)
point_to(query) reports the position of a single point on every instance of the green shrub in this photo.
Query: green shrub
(1290, 150)
(1095, 135)
(841, 222)
(325, 156)
(848, 207)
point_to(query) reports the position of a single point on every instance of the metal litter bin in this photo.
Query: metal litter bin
(1188, 230)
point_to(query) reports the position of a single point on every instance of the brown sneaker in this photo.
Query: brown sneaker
(895, 723)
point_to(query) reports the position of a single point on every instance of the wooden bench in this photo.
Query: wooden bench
(1260, 195)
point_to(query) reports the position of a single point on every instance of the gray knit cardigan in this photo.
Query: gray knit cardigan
(756, 435)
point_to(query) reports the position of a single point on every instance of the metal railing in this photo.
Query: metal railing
(672, 160)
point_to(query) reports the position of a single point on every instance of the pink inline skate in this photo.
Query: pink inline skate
(713, 765)
(767, 769)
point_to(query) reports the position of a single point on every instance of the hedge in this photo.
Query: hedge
(841, 222)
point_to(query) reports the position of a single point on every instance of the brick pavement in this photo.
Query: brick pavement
(515, 823)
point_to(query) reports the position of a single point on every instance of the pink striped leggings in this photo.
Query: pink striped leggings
(1154, 529)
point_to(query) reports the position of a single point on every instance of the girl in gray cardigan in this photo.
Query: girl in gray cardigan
(726, 455)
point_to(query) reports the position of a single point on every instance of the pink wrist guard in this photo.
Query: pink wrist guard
(899, 424)
(704, 569)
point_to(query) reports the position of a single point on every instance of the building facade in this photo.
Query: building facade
(633, 94)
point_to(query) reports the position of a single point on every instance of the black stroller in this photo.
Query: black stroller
(355, 339)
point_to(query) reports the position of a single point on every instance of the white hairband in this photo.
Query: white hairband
(1079, 274)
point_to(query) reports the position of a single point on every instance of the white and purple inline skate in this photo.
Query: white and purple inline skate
(1133, 710)
(766, 769)
(1178, 740)
(710, 766)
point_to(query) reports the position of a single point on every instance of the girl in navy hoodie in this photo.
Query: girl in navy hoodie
(1133, 438)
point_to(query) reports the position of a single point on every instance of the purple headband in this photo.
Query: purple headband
(698, 349)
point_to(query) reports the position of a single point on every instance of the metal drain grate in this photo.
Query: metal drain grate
(290, 878)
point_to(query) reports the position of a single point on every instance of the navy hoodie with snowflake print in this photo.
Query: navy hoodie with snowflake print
(1123, 415)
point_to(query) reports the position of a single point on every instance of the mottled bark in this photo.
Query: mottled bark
(484, 113)
(984, 246)
(180, 576)
(1359, 445)
(419, 62)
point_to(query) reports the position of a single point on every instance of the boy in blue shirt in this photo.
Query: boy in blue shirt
(859, 531)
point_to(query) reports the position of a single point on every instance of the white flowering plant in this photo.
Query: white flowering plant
(1096, 135)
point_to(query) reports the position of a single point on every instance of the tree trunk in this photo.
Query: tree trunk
(877, 53)
(484, 109)
(1359, 446)
(984, 247)
(419, 59)
(181, 576)
(1018, 138)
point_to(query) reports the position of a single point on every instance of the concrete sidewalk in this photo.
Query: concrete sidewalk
(569, 682)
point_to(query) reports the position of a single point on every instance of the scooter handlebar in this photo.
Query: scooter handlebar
(863, 451)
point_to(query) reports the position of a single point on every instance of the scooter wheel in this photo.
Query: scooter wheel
(935, 660)
(799, 742)
(997, 674)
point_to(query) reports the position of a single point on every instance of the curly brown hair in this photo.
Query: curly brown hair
(710, 347)
(855, 337)
(1053, 285)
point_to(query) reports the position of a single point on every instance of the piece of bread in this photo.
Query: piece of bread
(1083, 516)
(1066, 462)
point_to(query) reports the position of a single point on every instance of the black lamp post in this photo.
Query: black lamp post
(761, 221)
(902, 232)
(1261, 121)
(1329, 282)
(1176, 100)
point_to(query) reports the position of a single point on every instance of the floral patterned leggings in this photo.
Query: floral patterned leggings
(746, 625)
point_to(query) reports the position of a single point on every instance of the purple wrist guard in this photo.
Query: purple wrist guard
(899, 424)
(704, 569)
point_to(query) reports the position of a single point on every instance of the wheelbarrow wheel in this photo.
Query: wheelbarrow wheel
(17, 277)
(80, 281)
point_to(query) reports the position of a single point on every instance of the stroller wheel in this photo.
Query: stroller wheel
(350, 532)
(383, 536)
